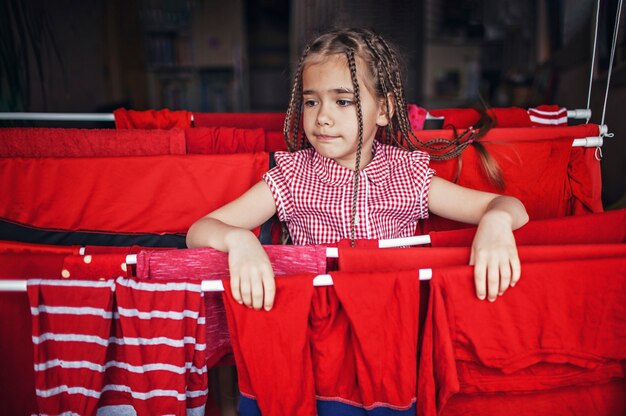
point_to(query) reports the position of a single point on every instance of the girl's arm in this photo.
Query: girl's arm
(494, 254)
(228, 229)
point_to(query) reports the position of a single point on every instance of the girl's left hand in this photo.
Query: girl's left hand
(494, 256)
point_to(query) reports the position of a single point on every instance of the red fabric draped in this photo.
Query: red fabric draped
(462, 118)
(151, 119)
(13, 247)
(220, 140)
(17, 393)
(508, 135)
(152, 194)
(400, 259)
(606, 227)
(48, 142)
(267, 121)
(534, 172)
(553, 316)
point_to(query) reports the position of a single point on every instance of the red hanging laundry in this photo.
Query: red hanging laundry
(606, 227)
(70, 336)
(151, 194)
(55, 142)
(206, 263)
(156, 360)
(151, 119)
(224, 140)
(564, 322)
(268, 121)
(272, 350)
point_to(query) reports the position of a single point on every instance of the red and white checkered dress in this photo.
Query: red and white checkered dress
(313, 195)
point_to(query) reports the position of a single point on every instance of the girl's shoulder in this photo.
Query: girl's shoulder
(285, 158)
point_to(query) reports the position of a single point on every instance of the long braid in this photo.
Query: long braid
(359, 114)
(292, 124)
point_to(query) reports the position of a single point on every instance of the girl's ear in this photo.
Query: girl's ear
(382, 119)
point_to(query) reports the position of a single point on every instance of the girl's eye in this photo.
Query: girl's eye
(344, 103)
(309, 103)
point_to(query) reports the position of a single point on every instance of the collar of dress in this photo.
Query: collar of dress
(333, 174)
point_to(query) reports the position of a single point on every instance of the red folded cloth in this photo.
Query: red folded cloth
(214, 140)
(606, 227)
(45, 142)
(462, 118)
(523, 166)
(267, 121)
(14, 247)
(403, 259)
(275, 141)
(208, 263)
(151, 119)
(553, 315)
(149, 194)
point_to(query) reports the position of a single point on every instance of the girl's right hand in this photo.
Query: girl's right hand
(251, 274)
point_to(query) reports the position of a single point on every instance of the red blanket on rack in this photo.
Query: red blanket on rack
(222, 140)
(605, 227)
(266, 121)
(151, 194)
(46, 142)
(541, 323)
(151, 119)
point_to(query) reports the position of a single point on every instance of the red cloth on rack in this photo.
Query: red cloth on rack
(70, 338)
(208, 263)
(462, 118)
(267, 121)
(564, 322)
(345, 349)
(158, 349)
(515, 135)
(168, 193)
(271, 349)
(99, 266)
(151, 119)
(17, 393)
(223, 140)
(548, 115)
(606, 227)
(55, 142)
(585, 181)
(14, 247)
(606, 399)
(404, 259)
(275, 141)
(353, 325)
(523, 165)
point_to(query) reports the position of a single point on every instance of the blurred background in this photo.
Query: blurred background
(237, 55)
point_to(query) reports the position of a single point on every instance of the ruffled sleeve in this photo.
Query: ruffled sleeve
(422, 175)
(279, 180)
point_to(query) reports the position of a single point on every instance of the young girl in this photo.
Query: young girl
(349, 176)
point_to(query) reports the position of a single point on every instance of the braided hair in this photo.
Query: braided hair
(382, 76)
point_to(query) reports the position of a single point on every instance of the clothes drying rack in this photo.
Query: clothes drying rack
(578, 114)
(217, 286)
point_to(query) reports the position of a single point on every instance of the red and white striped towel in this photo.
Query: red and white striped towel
(122, 346)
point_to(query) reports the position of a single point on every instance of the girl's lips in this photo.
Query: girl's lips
(325, 137)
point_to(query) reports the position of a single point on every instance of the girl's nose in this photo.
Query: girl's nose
(323, 118)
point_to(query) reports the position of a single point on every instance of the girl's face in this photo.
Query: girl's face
(329, 116)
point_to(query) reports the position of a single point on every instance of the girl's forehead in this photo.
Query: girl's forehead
(332, 71)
